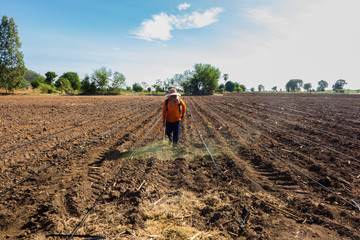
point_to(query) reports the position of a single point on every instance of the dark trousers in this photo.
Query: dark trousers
(173, 130)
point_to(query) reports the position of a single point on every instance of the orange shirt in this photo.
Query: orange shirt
(173, 114)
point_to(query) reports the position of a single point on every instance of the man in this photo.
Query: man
(173, 111)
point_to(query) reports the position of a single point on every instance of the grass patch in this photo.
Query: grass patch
(173, 217)
(164, 151)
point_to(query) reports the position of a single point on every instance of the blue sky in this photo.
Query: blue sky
(256, 42)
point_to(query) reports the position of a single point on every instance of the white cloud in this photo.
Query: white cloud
(183, 6)
(196, 19)
(160, 26)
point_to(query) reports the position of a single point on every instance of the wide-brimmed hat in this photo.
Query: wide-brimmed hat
(174, 94)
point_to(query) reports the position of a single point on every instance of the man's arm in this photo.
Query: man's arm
(164, 113)
(183, 109)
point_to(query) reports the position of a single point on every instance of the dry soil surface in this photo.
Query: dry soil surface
(288, 162)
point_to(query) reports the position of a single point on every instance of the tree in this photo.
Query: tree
(176, 80)
(274, 89)
(63, 84)
(294, 85)
(168, 84)
(222, 87)
(236, 85)
(36, 82)
(31, 75)
(158, 86)
(238, 88)
(205, 79)
(202, 80)
(322, 85)
(226, 77)
(307, 86)
(252, 89)
(50, 76)
(137, 87)
(74, 79)
(261, 88)
(88, 87)
(118, 81)
(101, 77)
(46, 88)
(33, 78)
(144, 85)
(184, 81)
(229, 86)
(339, 85)
(243, 87)
(12, 66)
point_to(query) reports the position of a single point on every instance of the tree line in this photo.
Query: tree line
(102, 81)
(295, 85)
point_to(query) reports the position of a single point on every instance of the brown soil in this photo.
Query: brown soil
(176, 193)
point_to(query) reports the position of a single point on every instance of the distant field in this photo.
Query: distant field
(291, 159)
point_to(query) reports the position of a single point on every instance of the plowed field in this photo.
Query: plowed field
(249, 166)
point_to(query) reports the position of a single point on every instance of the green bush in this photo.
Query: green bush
(339, 90)
(73, 78)
(36, 82)
(46, 88)
(63, 85)
(229, 86)
(87, 86)
(25, 84)
(239, 89)
(137, 87)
